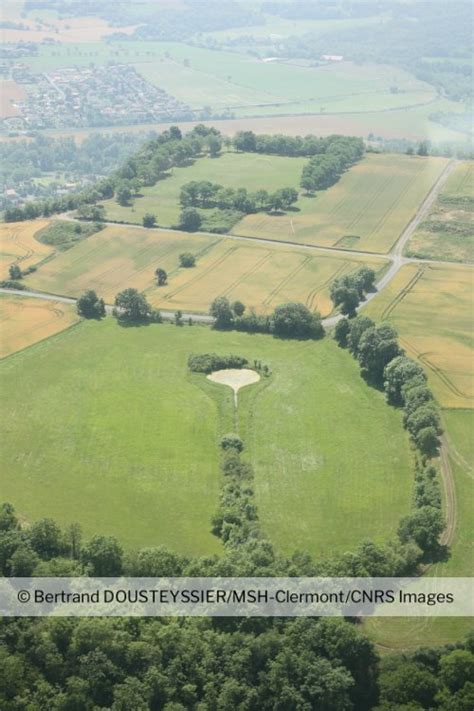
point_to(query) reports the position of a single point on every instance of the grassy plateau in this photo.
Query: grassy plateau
(104, 425)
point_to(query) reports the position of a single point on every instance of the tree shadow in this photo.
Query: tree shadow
(132, 323)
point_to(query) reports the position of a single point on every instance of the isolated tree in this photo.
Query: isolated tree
(231, 441)
(238, 308)
(123, 195)
(15, 272)
(90, 306)
(103, 556)
(398, 372)
(295, 320)
(178, 318)
(131, 305)
(190, 219)
(221, 312)
(187, 260)
(341, 332)
(149, 220)
(161, 276)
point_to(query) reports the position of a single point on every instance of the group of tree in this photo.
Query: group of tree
(384, 364)
(304, 146)
(348, 291)
(292, 320)
(325, 169)
(204, 194)
(209, 362)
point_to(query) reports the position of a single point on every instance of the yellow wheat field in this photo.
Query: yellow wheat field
(25, 320)
(431, 307)
(19, 246)
(261, 276)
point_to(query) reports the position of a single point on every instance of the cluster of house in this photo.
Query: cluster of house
(111, 95)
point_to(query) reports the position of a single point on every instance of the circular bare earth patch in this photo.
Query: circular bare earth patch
(235, 378)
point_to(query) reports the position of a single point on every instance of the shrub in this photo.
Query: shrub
(209, 362)
(295, 320)
(187, 260)
(231, 441)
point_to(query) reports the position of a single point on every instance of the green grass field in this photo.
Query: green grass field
(233, 170)
(367, 209)
(103, 425)
(243, 84)
(404, 633)
(447, 233)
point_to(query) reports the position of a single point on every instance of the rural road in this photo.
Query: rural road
(395, 256)
(396, 259)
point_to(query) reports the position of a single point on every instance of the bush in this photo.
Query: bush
(187, 260)
(294, 320)
(209, 362)
(11, 284)
(231, 441)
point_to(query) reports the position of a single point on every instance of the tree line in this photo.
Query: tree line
(383, 363)
(292, 320)
(205, 194)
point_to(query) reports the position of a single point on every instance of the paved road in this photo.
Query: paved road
(396, 259)
(395, 256)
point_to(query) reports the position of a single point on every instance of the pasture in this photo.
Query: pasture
(238, 83)
(413, 123)
(409, 633)
(233, 170)
(431, 307)
(24, 321)
(260, 275)
(366, 210)
(19, 246)
(107, 427)
(448, 233)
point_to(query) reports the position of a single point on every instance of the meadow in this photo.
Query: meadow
(242, 84)
(366, 210)
(24, 321)
(404, 633)
(260, 275)
(106, 427)
(233, 170)
(431, 307)
(448, 234)
(19, 246)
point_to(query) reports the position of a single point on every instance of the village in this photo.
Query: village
(112, 95)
